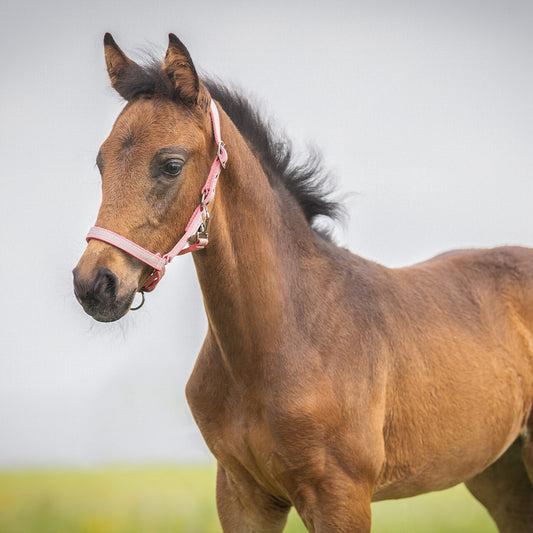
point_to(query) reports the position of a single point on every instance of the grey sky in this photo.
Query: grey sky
(423, 109)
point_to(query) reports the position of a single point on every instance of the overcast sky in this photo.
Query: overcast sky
(422, 109)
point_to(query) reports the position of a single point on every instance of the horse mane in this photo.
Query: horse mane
(305, 179)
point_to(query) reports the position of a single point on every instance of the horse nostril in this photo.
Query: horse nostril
(105, 285)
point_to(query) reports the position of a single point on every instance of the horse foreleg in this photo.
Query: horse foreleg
(244, 507)
(505, 489)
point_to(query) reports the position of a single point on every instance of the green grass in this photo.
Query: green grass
(182, 500)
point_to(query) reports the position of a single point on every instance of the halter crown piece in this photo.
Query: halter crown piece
(195, 236)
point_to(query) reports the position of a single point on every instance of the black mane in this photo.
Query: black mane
(305, 180)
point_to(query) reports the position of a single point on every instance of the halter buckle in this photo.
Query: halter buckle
(201, 237)
(222, 154)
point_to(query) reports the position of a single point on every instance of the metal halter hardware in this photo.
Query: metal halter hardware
(137, 307)
(195, 236)
(201, 235)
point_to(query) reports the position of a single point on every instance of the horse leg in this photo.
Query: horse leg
(505, 489)
(244, 507)
(527, 451)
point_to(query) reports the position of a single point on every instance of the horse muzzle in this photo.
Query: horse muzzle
(104, 284)
(99, 295)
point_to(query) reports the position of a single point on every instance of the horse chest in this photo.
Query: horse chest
(233, 427)
(239, 437)
(229, 419)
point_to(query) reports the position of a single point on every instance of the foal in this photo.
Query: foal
(325, 381)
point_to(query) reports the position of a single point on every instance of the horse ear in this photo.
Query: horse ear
(179, 68)
(119, 65)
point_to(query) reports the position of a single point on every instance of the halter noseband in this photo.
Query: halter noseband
(195, 236)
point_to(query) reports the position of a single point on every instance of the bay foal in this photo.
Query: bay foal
(325, 380)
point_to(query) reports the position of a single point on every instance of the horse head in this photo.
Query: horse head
(153, 166)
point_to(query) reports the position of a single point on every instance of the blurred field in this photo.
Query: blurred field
(182, 500)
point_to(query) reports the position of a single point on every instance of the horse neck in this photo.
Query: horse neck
(257, 236)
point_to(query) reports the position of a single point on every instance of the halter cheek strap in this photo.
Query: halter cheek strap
(195, 236)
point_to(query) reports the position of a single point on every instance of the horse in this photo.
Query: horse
(325, 381)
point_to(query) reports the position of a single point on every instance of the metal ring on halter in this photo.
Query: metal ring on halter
(140, 305)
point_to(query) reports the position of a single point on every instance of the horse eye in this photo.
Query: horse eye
(173, 167)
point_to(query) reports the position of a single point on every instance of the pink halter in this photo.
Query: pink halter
(195, 236)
